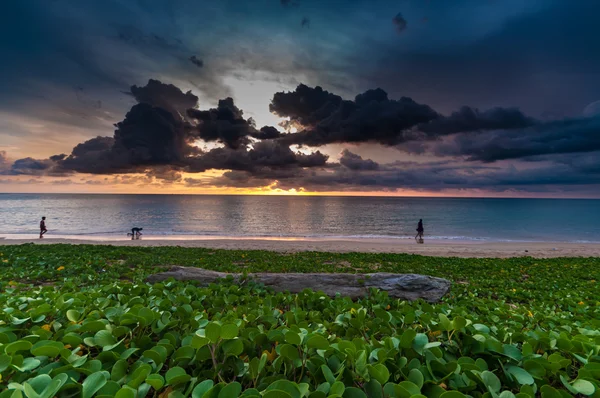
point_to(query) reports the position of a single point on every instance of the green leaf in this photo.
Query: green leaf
(276, 394)
(459, 323)
(379, 372)
(491, 381)
(286, 386)
(550, 392)
(329, 377)
(5, 361)
(202, 388)
(317, 342)
(336, 389)
(406, 389)
(453, 394)
(213, 332)
(176, 376)
(353, 392)
(416, 377)
(156, 381)
(584, 387)
(522, 376)
(293, 338)
(47, 348)
(407, 338)
(289, 351)
(233, 347)
(104, 338)
(20, 345)
(93, 383)
(229, 331)
(126, 392)
(73, 315)
(420, 342)
(231, 390)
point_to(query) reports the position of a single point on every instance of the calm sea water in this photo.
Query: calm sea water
(174, 216)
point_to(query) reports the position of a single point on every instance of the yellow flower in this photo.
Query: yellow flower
(529, 314)
(581, 303)
(5, 261)
(388, 307)
(46, 327)
(353, 310)
(60, 268)
(514, 290)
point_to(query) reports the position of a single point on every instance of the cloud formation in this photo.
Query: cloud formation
(162, 133)
(372, 117)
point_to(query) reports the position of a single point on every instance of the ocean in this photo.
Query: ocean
(88, 216)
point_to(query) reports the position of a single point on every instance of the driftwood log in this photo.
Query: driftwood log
(402, 286)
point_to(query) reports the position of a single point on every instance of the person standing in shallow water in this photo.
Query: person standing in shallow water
(43, 229)
(420, 230)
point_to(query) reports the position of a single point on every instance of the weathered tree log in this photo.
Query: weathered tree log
(402, 286)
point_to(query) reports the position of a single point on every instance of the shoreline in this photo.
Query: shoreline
(465, 249)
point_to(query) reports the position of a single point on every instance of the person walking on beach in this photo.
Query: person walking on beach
(420, 231)
(43, 229)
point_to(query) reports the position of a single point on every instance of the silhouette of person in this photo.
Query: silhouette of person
(420, 230)
(135, 233)
(43, 229)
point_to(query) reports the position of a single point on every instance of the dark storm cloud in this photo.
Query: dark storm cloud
(267, 133)
(372, 117)
(399, 22)
(432, 176)
(356, 162)
(306, 105)
(165, 96)
(30, 166)
(468, 119)
(265, 155)
(550, 138)
(155, 138)
(197, 61)
(225, 124)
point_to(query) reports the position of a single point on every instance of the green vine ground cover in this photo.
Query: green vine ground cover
(79, 321)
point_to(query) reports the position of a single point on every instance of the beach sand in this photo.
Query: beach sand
(430, 248)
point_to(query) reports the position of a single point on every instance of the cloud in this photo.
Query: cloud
(30, 166)
(400, 23)
(468, 119)
(197, 61)
(548, 138)
(372, 117)
(353, 161)
(225, 124)
(264, 155)
(165, 96)
(267, 133)
(158, 141)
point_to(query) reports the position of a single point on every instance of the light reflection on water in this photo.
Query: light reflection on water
(185, 216)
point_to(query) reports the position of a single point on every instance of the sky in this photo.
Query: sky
(353, 97)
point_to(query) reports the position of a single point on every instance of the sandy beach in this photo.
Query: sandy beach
(430, 248)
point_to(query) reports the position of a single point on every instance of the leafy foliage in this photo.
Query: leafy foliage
(80, 321)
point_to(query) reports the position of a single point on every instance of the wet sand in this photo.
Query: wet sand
(429, 248)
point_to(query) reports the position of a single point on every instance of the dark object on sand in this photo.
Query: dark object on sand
(135, 233)
(43, 229)
(402, 286)
(420, 231)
